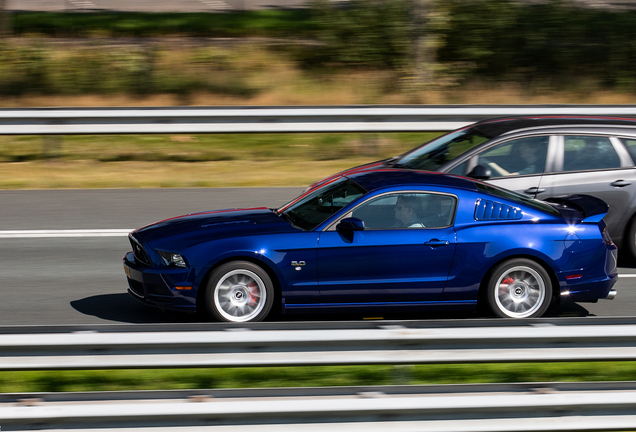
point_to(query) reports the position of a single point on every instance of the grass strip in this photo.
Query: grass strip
(270, 23)
(169, 379)
(135, 175)
(210, 147)
(183, 161)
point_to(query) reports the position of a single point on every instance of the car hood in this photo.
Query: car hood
(215, 224)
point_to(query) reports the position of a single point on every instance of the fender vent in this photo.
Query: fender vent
(490, 210)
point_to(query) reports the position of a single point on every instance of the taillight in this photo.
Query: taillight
(606, 237)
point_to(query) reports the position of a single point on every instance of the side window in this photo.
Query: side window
(459, 169)
(407, 210)
(630, 144)
(524, 156)
(589, 153)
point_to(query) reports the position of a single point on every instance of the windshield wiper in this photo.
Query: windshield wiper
(289, 218)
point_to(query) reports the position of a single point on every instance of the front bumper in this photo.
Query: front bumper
(157, 286)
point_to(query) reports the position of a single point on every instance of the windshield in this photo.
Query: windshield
(312, 210)
(442, 150)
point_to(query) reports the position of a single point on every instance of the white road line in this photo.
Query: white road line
(100, 233)
(83, 4)
(65, 233)
(216, 4)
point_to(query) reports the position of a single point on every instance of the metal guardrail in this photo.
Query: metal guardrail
(391, 344)
(502, 407)
(369, 118)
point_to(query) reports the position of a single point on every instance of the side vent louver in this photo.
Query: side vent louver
(491, 210)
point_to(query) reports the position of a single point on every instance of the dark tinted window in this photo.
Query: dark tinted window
(523, 156)
(589, 153)
(442, 150)
(459, 169)
(318, 206)
(407, 210)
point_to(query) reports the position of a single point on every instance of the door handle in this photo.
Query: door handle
(436, 243)
(620, 183)
(534, 190)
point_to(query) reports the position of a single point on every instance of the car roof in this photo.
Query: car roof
(502, 125)
(390, 177)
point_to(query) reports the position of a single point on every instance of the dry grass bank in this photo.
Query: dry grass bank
(347, 91)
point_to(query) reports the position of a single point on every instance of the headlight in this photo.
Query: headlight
(172, 259)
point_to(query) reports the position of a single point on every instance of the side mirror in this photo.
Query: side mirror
(350, 224)
(480, 172)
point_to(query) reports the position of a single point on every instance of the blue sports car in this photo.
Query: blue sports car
(379, 240)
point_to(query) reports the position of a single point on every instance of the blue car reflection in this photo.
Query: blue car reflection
(379, 240)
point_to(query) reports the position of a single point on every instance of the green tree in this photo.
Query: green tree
(369, 33)
(5, 22)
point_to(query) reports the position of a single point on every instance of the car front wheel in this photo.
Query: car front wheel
(519, 288)
(239, 291)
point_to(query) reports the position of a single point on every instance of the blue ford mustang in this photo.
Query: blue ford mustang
(385, 239)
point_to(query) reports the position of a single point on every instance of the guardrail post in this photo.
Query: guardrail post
(51, 146)
(402, 375)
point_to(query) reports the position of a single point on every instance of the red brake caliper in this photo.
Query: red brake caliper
(253, 289)
(505, 283)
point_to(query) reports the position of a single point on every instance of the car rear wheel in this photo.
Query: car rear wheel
(630, 238)
(519, 288)
(239, 291)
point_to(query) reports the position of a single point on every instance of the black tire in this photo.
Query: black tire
(239, 291)
(629, 242)
(519, 288)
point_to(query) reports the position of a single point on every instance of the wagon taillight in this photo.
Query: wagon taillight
(606, 237)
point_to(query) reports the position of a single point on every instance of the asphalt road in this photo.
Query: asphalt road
(48, 281)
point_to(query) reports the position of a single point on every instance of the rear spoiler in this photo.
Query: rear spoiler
(592, 209)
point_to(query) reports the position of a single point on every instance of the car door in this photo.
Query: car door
(518, 164)
(389, 261)
(594, 165)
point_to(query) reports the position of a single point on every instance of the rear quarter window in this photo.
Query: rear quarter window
(582, 153)
(518, 198)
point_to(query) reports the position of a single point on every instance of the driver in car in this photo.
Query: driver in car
(406, 212)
